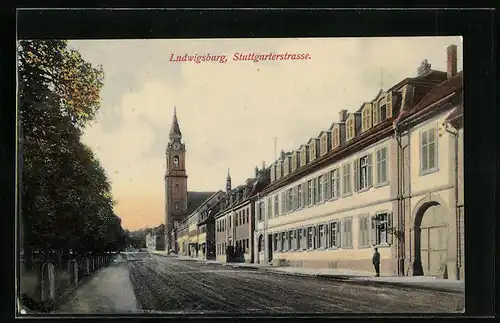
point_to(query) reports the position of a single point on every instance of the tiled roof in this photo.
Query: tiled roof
(195, 199)
(449, 86)
(441, 91)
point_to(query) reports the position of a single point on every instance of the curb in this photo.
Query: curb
(353, 280)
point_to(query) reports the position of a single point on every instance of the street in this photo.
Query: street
(171, 285)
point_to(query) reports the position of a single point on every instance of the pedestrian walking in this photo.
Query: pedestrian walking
(376, 262)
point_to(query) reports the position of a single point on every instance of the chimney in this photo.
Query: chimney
(263, 165)
(256, 171)
(452, 60)
(342, 115)
(282, 154)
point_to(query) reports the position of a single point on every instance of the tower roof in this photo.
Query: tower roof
(175, 131)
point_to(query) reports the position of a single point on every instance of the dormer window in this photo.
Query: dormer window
(379, 111)
(303, 156)
(278, 170)
(335, 137)
(286, 166)
(324, 143)
(388, 109)
(366, 122)
(350, 130)
(312, 147)
(273, 172)
(176, 162)
(294, 161)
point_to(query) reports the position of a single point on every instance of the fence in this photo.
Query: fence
(45, 283)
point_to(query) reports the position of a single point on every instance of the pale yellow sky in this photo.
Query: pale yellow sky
(229, 113)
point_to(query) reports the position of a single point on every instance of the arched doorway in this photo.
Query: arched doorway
(430, 236)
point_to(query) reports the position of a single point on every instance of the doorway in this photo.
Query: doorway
(270, 247)
(431, 240)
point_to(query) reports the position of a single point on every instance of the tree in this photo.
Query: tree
(67, 201)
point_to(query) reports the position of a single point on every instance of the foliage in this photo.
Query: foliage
(66, 196)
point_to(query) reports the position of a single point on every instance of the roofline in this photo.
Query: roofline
(362, 141)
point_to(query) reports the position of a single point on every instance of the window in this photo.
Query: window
(322, 236)
(283, 203)
(381, 156)
(260, 245)
(276, 205)
(273, 172)
(261, 211)
(350, 128)
(363, 173)
(380, 225)
(290, 240)
(310, 237)
(248, 211)
(346, 176)
(336, 137)
(428, 150)
(323, 144)
(294, 161)
(300, 239)
(309, 193)
(326, 188)
(334, 183)
(248, 244)
(312, 152)
(243, 217)
(286, 166)
(275, 242)
(363, 232)
(230, 222)
(278, 170)
(283, 241)
(290, 199)
(367, 117)
(313, 191)
(383, 112)
(299, 196)
(177, 206)
(303, 156)
(320, 191)
(176, 162)
(269, 215)
(346, 235)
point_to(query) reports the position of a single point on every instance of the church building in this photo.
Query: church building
(179, 203)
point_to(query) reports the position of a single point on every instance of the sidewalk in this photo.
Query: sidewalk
(110, 291)
(359, 277)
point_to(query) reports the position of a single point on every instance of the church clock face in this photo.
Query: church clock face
(177, 146)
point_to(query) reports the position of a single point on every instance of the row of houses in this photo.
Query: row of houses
(387, 175)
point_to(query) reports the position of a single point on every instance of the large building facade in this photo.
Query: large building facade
(388, 175)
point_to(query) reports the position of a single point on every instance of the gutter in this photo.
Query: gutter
(454, 133)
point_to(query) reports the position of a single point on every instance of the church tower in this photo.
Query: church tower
(175, 181)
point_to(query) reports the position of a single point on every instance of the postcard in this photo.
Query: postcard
(241, 175)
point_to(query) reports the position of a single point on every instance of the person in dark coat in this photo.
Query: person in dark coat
(376, 262)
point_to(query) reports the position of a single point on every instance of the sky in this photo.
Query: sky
(229, 113)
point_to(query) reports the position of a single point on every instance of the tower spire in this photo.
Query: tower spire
(228, 182)
(175, 131)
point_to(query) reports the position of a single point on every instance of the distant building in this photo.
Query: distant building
(155, 238)
(234, 221)
(179, 203)
(389, 175)
(191, 236)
